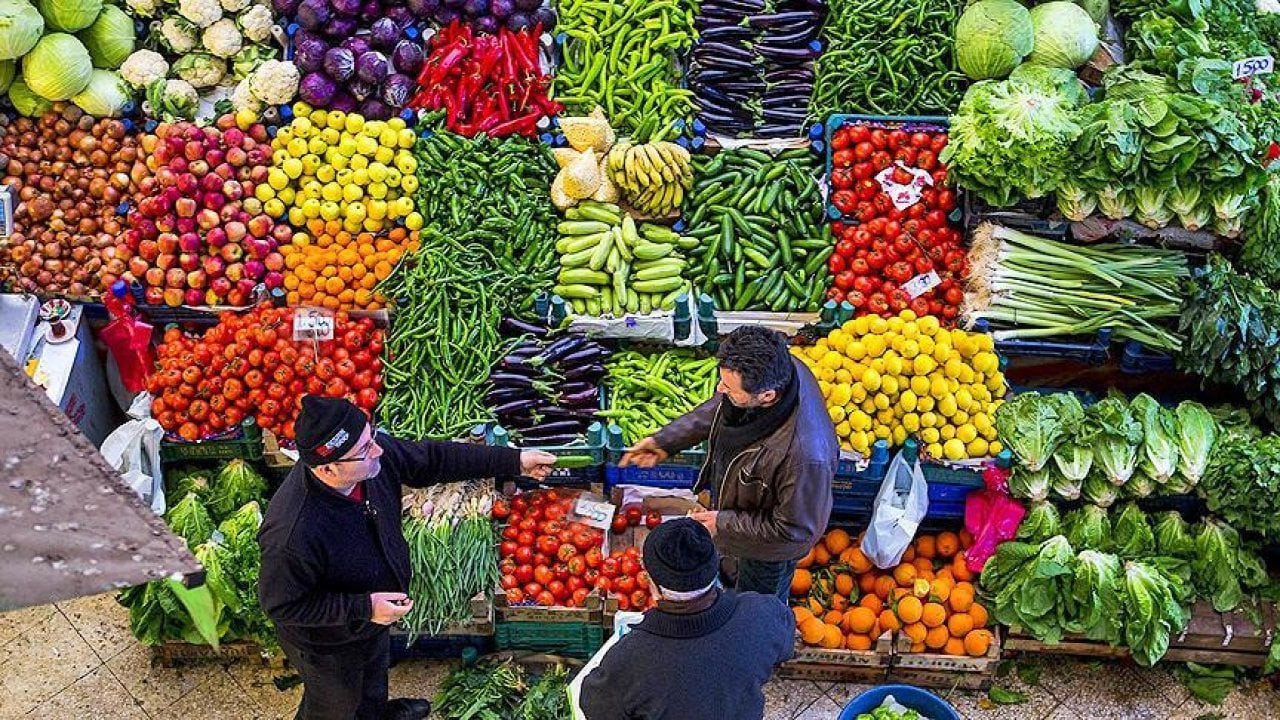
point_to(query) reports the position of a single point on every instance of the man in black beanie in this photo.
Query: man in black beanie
(335, 565)
(703, 652)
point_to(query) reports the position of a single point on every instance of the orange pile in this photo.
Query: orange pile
(327, 266)
(841, 600)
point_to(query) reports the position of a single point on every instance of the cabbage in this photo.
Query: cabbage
(7, 70)
(992, 37)
(1132, 533)
(190, 520)
(237, 483)
(1040, 524)
(110, 39)
(69, 15)
(1065, 35)
(1098, 490)
(1097, 9)
(105, 96)
(57, 67)
(21, 25)
(26, 102)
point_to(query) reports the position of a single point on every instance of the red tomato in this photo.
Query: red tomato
(524, 573)
(583, 540)
(515, 596)
(633, 515)
(653, 520)
(558, 590)
(560, 571)
(508, 549)
(880, 139)
(844, 280)
(542, 575)
(577, 566)
(580, 597)
(524, 555)
(609, 568)
(844, 249)
(548, 545)
(630, 566)
(566, 552)
(842, 178)
(835, 264)
(625, 585)
(509, 582)
(527, 538)
(842, 158)
(546, 599)
(640, 599)
(863, 151)
(840, 140)
(844, 201)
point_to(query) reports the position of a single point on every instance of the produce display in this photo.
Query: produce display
(993, 37)
(1239, 482)
(546, 391)
(490, 84)
(329, 267)
(371, 74)
(753, 77)
(909, 377)
(548, 557)
(249, 365)
(646, 392)
(840, 600)
(623, 55)
(503, 690)
(68, 174)
(759, 223)
(889, 240)
(1135, 291)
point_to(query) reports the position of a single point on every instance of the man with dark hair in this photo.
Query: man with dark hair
(702, 652)
(771, 456)
(335, 565)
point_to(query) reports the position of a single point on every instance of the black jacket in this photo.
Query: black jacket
(710, 664)
(322, 553)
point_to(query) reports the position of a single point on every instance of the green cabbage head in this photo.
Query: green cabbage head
(20, 27)
(1065, 35)
(57, 67)
(992, 38)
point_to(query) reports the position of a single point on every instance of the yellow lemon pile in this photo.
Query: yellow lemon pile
(909, 377)
(331, 165)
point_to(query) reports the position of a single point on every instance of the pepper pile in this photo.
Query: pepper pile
(882, 246)
(490, 84)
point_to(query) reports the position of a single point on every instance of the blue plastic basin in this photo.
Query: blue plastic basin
(922, 701)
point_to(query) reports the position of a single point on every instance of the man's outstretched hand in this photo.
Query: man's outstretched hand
(536, 464)
(645, 454)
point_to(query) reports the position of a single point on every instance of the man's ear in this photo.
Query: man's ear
(768, 397)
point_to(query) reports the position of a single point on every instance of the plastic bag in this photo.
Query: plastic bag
(991, 516)
(134, 450)
(899, 508)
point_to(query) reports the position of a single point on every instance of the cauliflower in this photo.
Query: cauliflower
(256, 23)
(243, 99)
(178, 34)
(143, 68)
(222, 38)
(201, 12)
(172, 100)
(1267, 7)
(234, 6)
(142, 8)
(249, 58)
(201, 70)
(275, 82)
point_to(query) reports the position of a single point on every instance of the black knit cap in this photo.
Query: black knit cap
(680, 556)
(327, 428)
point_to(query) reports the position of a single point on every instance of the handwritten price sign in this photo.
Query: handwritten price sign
(596, 514)
(313, 324)
(1248, 67)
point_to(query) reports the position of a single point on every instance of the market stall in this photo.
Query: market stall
(1027, 253)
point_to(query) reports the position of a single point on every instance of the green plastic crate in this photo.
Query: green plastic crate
(572, 639)
(245, 444)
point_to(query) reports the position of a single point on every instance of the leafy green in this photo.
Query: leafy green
(1096, 592)
(190, 520)
(1152, 612)
(1173, 535)
(1000, 696)
(495, 690)
(1030, 484)
(1034, 595)
(1098, 490)
(237, 483)
(1074, 457)
(1115, 447)
(1089, 527)
(1065, 35)
(1207, 684)
(1197, 432)
(184, 480)
(1040, 523)
(1033, 425)
(1223, 568)
(1132, 533)
(1260, 253)
(240, 536)
(992, 37)
(1159, 458)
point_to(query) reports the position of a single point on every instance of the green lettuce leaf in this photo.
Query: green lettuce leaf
(1040, 523)
(1096, 591)
(1197, 432)
(1115, 447)
(1159, 458)
(1173, 536)
(190, 520)
(1132, 533)
(1033, 425)
(1088, 527)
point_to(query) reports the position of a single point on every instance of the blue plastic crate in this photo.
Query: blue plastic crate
(909, 123)
(679, 472)
(1095, 351)
(949, 486)
(1137, 359)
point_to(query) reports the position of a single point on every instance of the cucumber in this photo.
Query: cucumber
(659, 272)
(663, 286)
(597, 213)
(580, 258)
(601, 254)
(582, 227)
(652, 251)
(576, 292)
(583, 276)
(571, 244)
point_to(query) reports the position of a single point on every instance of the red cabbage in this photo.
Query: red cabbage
(476, 8)
(518, 21)
(344, 102)
(371, 10)
(372, 67)
(397, 89)
(501, 9)
(403, 16)
(384, 33)
(447, 16)
(487, 24)
(308, 51)
(358, 45)
(454, 4)
(374, 109)
(285, 7)
(408, 57)
(339, 64)
(342, 27)
(426, 8)
(350, 8)
(317, 89)
(546, 16)
(313, 14)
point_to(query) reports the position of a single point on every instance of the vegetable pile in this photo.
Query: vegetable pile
(548, 557)
(68, 174)
(754, 76)
(199, 234)
(760, 226)
(503, 690)
(371, 74)
(840, 600)
(648, 391)
(490, 84)
(889, 240)
(994, 36)
(546, 391)
(331, 268)
(1241, 480)
(909, 377)
(249, 365)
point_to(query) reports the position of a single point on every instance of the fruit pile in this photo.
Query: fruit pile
(909, 377)
(329, 267)
(841, 600)
(197, 235)
(249, 365)
(883, 244)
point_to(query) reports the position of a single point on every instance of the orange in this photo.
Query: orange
(904, 574)
(910, 610)
(872, 603)
(936, 638)
(925, 547)
(815, 607)
(948, 544)
(802, 614)
(832, 638)
(940, 590)
(863, 619)
(923, 565)
(979, 615)
(837, 541)
(898, 593)
(888, 621)
(806, 562)
(867, 583)
(960, 568)
(858, 561)
(920, 588)
(954, 646)
(844, 584)
(916, 632)
(857, 641)
(909, 555)
(960, 624)
(933, 615)
(945, 574)
(833, 617)
(961, 598)
(884, 584)
(821, 555)
(966, 539)
(801, 582)
(812, 631)
(839, 602)
(917, 647)
(977, 642)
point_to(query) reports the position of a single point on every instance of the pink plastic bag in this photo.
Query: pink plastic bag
(991, 516)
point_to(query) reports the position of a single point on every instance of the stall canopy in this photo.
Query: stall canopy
(68, 525)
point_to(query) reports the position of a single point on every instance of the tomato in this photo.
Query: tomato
(509, 582)
(335, 388)
(835, 264)
(898, 138)
(566, 552)
(877, 260)
(325, 370)
(835, 295)
(542, 574)
(345, 368)
(868, 189)
(946, 200)
(844, 201)
(863, 151)
(926, 160)
(579, 597)
(954, 296)
(558, 590)
(939, 142)
(653, 520)
(844, 280)
(609, 568)
(545, 598)
(905, 155)
(515, 596)
(630, 566)
(921, 140)
(840, 140)
(633, 515)
(881, 160)
(844, 248)
(640, 599)
(842, 178)
(508, 548)
(547, 544)
(560, 571)
(842, 158)
(583, 540)
(859, 133)
(191, 375)
(624, 602)
(577, 566)
(880, 139)
(625, 585)
(878, 303)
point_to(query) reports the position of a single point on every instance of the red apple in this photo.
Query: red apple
(154, 295)
(189, 261)
(231, 252)
(154, 277)
(174, 297)
(168, 243)
(175, 278)
(185, 207)
(193, 297)
(149, 250)
(234, 271)
(166, 261)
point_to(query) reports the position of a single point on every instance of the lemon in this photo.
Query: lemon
(882, 432)
(907, 401)
(824, 373)
(860, 420)
(893, 365)
(836, 413)
(842, 429)
(831, 361)
(875, 345)
(937, 385)
(925, 403)
(878, 325)
(862, 325)
(844, 376)
(886, 418)
(952, 385)
(928, 419)
(947, 405)
(245, 118)
(967, 433)
(947, 432)
(841, 393)
(899, 435)
(994, 447)
(925, 343)
(878, 365)
(920, 385)
(330, 210)
(981, 422)
(990, 434)
(977, 448)
(868, 406)
(889, 385)
(923, 365)
(986, 362)
(882, 401)
(966, 375)
(856, 350)
(372, 225)
(871, 380)
(928, 325)
(942, 351)
(896, 324)
(930, 435)
(953, 450)
(857, 392)
(934, 450)
(910, 349)
(911, 422)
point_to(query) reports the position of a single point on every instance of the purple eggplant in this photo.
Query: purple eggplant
(486, 24)
(585, 372)
(576, 387)
(593, 353)
(519, 21)
(339, 64)
(408, 57)
(590, 395)
(514, 406)
(512, 326)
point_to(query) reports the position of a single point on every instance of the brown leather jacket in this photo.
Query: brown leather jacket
(775, 499)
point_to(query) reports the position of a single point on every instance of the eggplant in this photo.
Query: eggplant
(559, 426)
(590, 355)
(507, 394)
(719, 48)
(585, 372)
(552, 440)
(511, 379)
(558, 413)
(559, 349)
(768, 21)
(515, 406)
(777, 53)
(512, 326)
(578, 399)
(802, 36)
(724, 33)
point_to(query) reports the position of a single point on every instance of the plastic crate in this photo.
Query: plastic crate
(909, 123)
(244, 443)
(949, 486)
(439, 647)
(1090, 352)
(680, 471)
(1137, 359)
(572, 639)
(1037, 217)
(592, 446)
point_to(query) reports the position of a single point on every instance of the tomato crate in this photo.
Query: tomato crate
(908, 123)
(592, 611)
(245, 443)
(591, 450)
(571, 639)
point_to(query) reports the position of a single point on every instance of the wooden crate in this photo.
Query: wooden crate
(176, 654)
(591, 612)
(862, 666)
(970, 673)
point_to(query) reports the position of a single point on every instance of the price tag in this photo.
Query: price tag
(596, 514)
(904, 195)
(921, 284)
(313, 324)
(6, 211)
(1248, 67)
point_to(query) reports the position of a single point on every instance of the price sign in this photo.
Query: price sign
(313, 324)
(6, 211)
(1248, 67)
(904, 195)
(596, 514)
(922, 284)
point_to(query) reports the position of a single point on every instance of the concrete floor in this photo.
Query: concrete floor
(77, 660)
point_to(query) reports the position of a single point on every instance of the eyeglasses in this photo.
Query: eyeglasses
(364, 452)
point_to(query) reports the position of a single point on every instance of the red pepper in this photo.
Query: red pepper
(524, 125)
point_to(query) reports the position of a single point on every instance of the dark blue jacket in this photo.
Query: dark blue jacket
(705, 665)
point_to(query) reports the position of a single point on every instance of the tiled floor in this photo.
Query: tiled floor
(78, 661)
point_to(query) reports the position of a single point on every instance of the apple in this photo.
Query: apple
(154, 295)
(149, 250)
(165, 261)
(189, 261)
(234, 271)
(185, 207)
(236, 231)
(220, 287)
(189, 242)
(168, 243)
(154, 277)
(260, 226)
(231, 252)
(175, 278)
(174, 297)
(193, 297)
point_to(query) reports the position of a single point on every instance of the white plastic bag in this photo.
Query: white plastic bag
(899, 508)
(134, 450)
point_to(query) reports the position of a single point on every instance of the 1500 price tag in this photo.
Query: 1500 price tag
(313, 324)
(596, 514)
(1249, 67)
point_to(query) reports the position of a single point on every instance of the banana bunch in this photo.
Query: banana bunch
(652, 176)
(610, 265)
